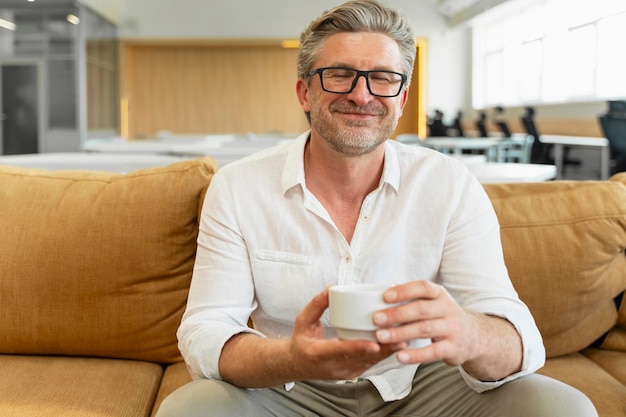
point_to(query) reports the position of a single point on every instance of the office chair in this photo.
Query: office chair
(539, 153)
(613, 125)
(504, 128)
(502, 124)
(480, 124)
(457, 124)
(436, 127)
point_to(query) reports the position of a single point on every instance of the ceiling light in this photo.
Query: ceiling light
(7, 25)
(73, 19)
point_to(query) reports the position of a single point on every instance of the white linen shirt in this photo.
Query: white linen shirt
(266, 246)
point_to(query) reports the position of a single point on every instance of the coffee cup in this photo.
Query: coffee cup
(351, 308)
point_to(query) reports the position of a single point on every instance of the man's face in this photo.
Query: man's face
(357, 122)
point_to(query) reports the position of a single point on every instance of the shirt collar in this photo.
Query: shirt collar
(293, 172)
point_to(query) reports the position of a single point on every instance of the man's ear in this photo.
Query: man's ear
(405, 98)
(302, 91)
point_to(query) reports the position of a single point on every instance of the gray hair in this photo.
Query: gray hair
(357, 16)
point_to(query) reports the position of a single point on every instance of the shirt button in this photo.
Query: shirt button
(365, 217)
(347, 259)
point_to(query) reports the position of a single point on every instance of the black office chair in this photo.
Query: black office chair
(504, 128)
(540, 153)
(436, 127)
(481, 124)
(613, 125)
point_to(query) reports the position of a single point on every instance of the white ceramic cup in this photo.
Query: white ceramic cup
(351, 308)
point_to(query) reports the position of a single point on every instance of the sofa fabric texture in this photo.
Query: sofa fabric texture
(564, 248)
(564, 245)
(103, 259)
(95, 269)
(94, 276)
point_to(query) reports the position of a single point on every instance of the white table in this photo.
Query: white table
(560, 141)
(468, 159)
(223, 148)
(226, 153)
(114, 162)
(160, 145)
(456, 145)
(491, 172)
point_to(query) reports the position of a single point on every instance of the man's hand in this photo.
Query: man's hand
(489, 348)
(252, 361)
(320, 358)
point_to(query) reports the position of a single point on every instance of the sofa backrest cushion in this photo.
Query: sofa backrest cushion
(616, 338)
(96, 263)
(563, 244)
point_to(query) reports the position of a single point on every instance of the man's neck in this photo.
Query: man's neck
(341, 182)
(344, 175)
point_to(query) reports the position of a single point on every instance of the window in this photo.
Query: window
(530, 52)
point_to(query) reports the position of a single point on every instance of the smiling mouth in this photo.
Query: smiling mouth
(358, 112)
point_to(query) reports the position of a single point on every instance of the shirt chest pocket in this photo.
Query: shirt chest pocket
(284, 283)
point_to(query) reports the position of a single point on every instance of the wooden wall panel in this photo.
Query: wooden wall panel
(204, 88)
(207, 87)
(568, 127)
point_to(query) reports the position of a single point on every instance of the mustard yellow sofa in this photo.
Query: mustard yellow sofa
(95, 268)
(564, 245)
(94, 274)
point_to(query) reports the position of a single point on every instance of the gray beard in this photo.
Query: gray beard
(354, 143)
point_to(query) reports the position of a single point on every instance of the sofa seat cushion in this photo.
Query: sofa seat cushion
(563, 245)
(607, 393)
(96, 263)
(82, 387)
(612, 361)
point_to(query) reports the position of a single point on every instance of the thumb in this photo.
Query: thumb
(312, 312)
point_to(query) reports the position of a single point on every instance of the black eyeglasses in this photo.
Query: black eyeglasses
(341, 80)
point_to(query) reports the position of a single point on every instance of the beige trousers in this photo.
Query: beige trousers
(438, 391)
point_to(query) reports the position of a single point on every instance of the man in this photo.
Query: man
(342, 204)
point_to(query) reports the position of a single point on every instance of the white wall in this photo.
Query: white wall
(448, 54)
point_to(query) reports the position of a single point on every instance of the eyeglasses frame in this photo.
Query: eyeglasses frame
(359, 74)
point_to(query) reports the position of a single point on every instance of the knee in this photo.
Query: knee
(205, 397)
(539, 396)
(180, 402)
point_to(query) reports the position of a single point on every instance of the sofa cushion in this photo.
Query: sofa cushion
(616, 339)
(77, 387)
(564, 246)
(95, 263)
(612, 361)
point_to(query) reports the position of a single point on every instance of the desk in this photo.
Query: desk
(457, 145)
(227, 152)
(491, 172)
(223, 148)
(581, 141)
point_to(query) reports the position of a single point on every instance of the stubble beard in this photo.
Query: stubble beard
(352, 137)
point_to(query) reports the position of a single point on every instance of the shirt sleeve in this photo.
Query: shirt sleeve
(474, 272)
(221, 294)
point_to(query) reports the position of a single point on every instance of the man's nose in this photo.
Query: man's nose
(360, 93)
